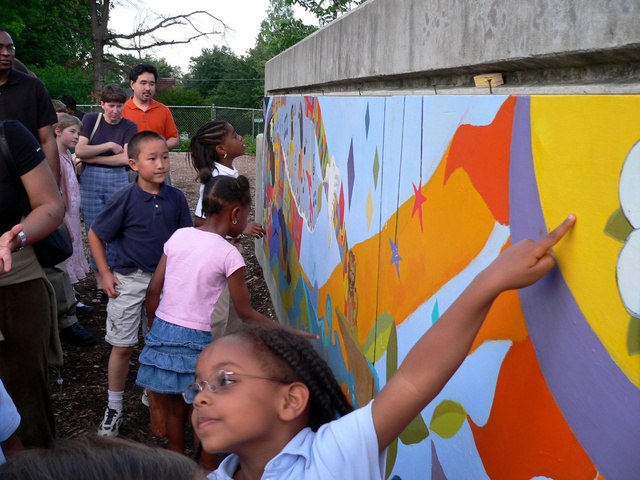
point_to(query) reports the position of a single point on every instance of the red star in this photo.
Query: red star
(419, 200)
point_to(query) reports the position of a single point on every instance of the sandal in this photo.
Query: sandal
(99, 296)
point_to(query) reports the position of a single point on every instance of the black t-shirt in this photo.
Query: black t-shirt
(25, 98)
(27, 155)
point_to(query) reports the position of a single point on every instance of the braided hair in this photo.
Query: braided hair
(223, 191)
(286, 353)
(202, 148)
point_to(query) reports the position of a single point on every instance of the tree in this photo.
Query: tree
(40, 29)
(142, 39)
(326, 10)
(224, 79)
(75, 80)
(278, 31)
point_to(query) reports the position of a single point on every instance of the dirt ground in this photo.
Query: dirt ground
(79, 389)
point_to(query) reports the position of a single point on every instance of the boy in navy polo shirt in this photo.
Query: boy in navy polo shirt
(138, 220)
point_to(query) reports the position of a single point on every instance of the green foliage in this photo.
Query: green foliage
(46, 30)
(127, 61)
(60, 79)
(224, 79)
(250, 143)
(180, 96)
(326, 10)
(184, 140)
(278, 31)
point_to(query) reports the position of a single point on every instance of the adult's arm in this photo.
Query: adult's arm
(47, 212)
(93, 153)
(173, 142)
(50, 149)
(171, 131)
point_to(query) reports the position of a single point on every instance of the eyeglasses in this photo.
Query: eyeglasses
(218, 381)
(10, 49)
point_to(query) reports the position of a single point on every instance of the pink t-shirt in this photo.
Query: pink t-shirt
(198, 264)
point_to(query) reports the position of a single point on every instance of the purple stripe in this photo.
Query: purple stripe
(598, 401)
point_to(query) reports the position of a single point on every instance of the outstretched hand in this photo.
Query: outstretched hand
(7, 245)
(254, 230)
(527, 261)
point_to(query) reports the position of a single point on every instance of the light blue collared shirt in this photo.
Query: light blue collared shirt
(344, 449)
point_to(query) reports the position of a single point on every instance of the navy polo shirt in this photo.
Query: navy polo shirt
(138, 224)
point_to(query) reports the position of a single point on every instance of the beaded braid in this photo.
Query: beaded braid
(202, 148)
(222, 191)
(327, 401)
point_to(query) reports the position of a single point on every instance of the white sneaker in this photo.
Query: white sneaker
(110, 423)
(145, 398)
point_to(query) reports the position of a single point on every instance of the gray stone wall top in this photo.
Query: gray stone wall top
(425, 45)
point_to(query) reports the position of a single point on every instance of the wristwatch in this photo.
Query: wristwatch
(23, 240)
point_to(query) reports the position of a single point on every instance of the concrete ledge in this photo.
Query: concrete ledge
(446, 42)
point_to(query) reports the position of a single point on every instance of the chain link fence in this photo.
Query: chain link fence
(248, 122)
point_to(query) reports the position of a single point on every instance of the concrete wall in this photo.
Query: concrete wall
(380, 210)
(408, 46)
(382, 198)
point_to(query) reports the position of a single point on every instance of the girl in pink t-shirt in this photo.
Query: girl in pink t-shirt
(67, 132)
(196, 266)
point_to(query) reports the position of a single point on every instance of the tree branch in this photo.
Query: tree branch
(166, 22)
(157, 43)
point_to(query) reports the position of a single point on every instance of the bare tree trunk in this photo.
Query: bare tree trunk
(99, 32)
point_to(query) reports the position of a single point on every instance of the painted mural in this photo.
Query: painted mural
(380, 211)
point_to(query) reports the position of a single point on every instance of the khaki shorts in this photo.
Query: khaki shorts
(126, 310)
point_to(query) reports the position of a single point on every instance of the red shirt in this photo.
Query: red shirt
(157, 118)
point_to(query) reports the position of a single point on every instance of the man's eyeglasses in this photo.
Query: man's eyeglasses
(220, 380)
(10, 49)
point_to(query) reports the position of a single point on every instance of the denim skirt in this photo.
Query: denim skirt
(168, 360)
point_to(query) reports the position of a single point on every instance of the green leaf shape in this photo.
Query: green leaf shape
(633, 336)
(415, 432)
(376, 169)
(618, 227)
(448, 418)
(378, 339)
(392, 453)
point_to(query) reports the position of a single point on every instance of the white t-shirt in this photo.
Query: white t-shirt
(198, 264)
(345, 449)
(220, 170)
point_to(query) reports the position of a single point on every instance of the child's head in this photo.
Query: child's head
(228, 194)
(59, 107)
(149, 156)
(68, 130)
(108, 458)
(69, 102)
(299, 389)
(215, 141)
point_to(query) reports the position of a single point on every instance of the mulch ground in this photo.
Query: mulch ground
(79, 389)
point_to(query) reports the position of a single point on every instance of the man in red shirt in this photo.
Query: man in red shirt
(147, 113)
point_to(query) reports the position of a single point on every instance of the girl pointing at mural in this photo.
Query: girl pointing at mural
(268, 398)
